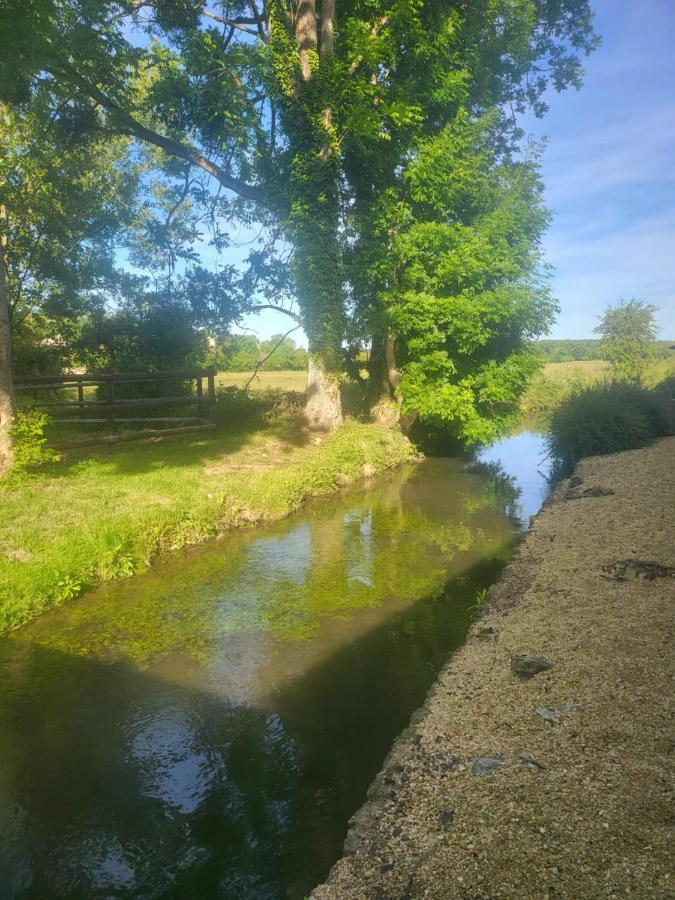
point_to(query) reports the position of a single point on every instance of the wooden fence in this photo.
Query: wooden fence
(82, 409)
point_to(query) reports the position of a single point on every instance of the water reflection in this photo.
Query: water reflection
(207, 729)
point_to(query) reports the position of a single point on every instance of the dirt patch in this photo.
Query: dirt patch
(556, 785)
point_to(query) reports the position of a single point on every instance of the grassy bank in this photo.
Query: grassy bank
(557, 381)
(103, 513)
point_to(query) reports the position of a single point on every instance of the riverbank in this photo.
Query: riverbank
(104, 513)
(554, 785)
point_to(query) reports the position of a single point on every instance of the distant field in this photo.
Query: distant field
(547, 389)
(591, 369)
(557, 380)
(284, 381)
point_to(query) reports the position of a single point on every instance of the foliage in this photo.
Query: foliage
(65, 191)
(627, 333)
(468, 295)
(242, 353)
(567, 350)
(28, 432)
(357, 150)
(605, 418)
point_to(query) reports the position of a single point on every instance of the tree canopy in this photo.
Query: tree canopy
(362, 142)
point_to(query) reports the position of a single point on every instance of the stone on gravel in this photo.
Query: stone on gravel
(626, 569)
(447, 817)
(526, 667)
(486, 765)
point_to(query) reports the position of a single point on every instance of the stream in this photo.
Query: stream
(207, 728)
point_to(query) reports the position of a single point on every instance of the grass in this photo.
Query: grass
(295, 382)
(607, 417)
(558, 381)
(103, 513)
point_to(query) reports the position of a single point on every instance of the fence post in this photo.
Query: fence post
(212, 395)
(200, 396)
(110, 400)
(80, 397)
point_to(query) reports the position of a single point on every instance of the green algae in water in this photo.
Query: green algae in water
(288, 579)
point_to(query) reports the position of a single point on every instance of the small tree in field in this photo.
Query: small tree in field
(627, 333)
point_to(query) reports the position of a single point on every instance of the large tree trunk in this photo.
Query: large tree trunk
(323, 409)
(6, 384)
(315, 217)
(385, 404)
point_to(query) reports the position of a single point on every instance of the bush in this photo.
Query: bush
(29, 440)
(606, 418)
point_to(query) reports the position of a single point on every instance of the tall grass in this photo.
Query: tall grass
(606, 418)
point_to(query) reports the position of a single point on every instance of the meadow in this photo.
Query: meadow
(557, 381)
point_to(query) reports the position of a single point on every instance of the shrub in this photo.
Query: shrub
(605, 418)
(29, 440)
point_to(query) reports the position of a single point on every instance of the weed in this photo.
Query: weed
(479, 601)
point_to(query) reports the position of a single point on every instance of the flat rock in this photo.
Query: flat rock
(486, 765)
(526, 667)
(645, 570)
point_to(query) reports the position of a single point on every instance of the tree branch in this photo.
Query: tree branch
(239, 24)
(172, 147)
(281, 309)
(262, 362)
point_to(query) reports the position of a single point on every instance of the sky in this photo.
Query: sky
(609, 171)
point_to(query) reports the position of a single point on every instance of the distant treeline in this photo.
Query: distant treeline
(241, 353)
(569, 350)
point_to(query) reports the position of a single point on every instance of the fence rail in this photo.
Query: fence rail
(82, 410)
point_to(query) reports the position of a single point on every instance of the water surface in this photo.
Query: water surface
(206, 729)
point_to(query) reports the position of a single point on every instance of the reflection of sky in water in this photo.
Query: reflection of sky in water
(174, 769)
(268, 562)
(360, 552)
(516, 454)
(287, 557)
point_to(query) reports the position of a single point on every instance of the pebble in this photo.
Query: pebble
(486, 765)
(527, 667)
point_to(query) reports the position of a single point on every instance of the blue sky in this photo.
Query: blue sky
(609, 170)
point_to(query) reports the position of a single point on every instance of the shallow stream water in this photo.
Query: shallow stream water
(206, 729)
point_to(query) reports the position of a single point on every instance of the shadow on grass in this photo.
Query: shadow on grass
(241, 419)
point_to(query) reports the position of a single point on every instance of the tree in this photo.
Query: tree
(64, 193)
(306, 122)
(466, 291)
(627, 334)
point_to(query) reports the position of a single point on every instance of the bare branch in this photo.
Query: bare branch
(239, 24)
(281, 309)
(262, 362)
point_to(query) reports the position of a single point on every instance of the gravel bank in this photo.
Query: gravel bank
(557, 784)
